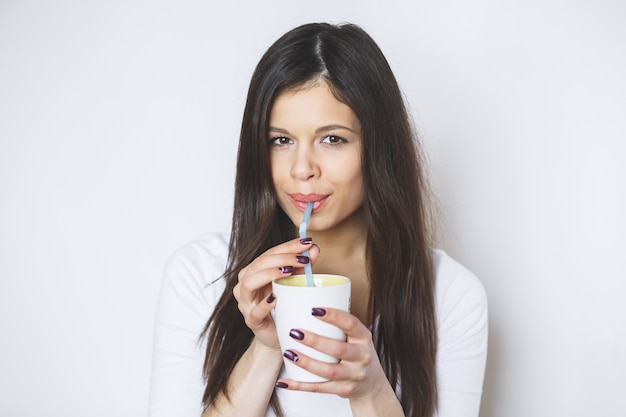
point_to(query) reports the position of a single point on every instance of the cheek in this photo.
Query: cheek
(356, 180)
(279, 178)
(275, 170)
(348, 177)
(352, 171)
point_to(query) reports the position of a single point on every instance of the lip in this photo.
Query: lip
(301, 200)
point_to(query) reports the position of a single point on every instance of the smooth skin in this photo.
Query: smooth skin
(315, 154)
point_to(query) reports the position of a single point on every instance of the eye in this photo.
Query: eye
(333, 140)
(280, 141)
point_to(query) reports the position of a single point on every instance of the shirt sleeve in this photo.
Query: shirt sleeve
(190, 289)
(463, 329)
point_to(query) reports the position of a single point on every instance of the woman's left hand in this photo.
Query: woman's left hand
(358, 374)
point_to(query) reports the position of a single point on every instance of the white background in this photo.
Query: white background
(118, 131)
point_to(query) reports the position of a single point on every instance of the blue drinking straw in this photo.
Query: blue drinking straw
(305, 223)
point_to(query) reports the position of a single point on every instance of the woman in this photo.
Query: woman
(324, 122)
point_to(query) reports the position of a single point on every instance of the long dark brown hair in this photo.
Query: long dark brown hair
(399, 249)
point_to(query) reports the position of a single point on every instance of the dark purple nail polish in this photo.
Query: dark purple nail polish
(291, 356)
(306, 240)
(270, 299)
(302, 259)
(281, 384)
(286, 269)
(296, 334)
(319, 312)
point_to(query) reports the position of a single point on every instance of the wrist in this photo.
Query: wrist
(263, 352)
(380, 401)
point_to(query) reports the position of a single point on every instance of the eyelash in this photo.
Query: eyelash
(340, 140)
(282, 140)
(276, 141)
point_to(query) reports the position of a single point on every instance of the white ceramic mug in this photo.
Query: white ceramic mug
(294, 302)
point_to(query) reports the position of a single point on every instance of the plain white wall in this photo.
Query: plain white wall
(118, 131)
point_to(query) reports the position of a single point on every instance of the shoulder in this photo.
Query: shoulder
(199, 263)
(191, 287)
(203, 254)
(462, 327)
(459, 293)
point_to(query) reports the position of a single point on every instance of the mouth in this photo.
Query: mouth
(301, 200)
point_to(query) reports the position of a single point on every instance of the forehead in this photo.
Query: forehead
(313, 104)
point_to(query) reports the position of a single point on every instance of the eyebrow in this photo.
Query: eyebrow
(318, 130)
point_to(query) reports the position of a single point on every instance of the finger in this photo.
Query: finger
(277, 262)
(244, 296)
(341, 371)
(314, 252)
(291, 246)
(344, 389)
(274, 262)
(266, 270)
(257, 317)
(350, 324)
(339, 349)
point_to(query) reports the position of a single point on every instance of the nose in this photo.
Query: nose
(304, 165)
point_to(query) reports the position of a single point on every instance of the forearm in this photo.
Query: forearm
(250, 385)
(382, 402)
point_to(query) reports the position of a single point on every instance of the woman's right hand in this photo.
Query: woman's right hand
(253, 292)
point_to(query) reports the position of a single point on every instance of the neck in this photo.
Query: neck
(342, 246)
(343, 253)
(345, 239)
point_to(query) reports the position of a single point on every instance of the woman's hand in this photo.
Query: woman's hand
(358, 373)
(253, 292)
(358, 376)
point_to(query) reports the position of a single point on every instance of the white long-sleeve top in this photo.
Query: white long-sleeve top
(192, 285)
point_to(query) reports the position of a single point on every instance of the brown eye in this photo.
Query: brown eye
(333, 140)
(279, 141)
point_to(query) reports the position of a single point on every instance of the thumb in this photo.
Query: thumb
(314, 252)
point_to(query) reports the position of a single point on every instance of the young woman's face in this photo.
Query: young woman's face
(315, 155)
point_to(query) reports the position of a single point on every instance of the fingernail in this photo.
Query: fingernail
(296, 334)
(270, 299)
(286, 269)
(291, 356)
(319, 250)
(319, 312)
(306, 240)
(302, 259)
(281, 384)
